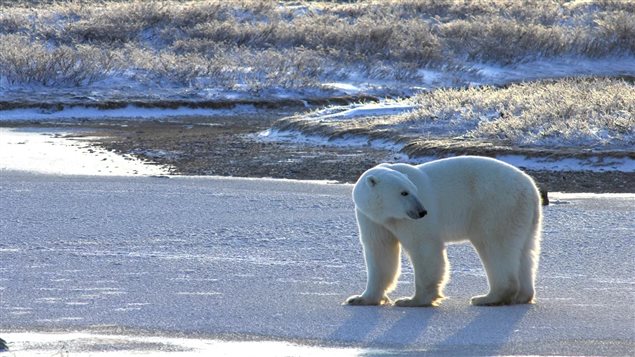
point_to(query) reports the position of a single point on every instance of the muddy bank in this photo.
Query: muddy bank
(226, 146)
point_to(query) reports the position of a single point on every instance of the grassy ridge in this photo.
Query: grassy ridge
(568, 113)
(253, 45)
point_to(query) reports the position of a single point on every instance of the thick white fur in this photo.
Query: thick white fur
(485, 201)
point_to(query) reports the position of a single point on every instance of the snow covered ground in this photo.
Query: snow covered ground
(553, 68)
(139, 265)
(250, 48)
(469, 74)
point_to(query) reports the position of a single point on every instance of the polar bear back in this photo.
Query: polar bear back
(477, 177)
(465, 191)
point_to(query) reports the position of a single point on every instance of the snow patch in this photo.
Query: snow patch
(553, 68)
(363, 110)
(342, 113)
(347, 88)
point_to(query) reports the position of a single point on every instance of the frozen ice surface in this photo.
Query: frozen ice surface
(128, 112)
(592, 163)
(272, 260)
(82, 344)
(365, 110)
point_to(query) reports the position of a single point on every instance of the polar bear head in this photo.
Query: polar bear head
(383, 194)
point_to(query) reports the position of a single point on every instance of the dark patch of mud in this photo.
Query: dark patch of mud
(106, 104)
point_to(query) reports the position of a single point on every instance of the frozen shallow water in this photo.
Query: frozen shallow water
(271, 260)
(50, 151)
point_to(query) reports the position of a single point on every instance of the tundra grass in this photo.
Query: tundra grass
(252, 45)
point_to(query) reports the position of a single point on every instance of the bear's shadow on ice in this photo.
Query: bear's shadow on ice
(361, 322)
(409, 328)
(489, 332)
(364, 323)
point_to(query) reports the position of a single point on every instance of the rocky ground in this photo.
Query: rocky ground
(226, 146)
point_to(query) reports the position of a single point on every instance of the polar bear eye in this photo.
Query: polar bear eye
(404, 193)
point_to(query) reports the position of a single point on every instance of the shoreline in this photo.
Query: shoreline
(226, 146)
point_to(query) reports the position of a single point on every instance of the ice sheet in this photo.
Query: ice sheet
(272, 260)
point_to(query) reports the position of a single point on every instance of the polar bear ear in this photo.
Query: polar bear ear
(371, 181)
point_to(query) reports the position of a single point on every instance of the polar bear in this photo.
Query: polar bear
(421, 208)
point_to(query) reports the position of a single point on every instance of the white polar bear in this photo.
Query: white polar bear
(421, 208)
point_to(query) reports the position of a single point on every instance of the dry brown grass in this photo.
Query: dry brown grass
(257, 43)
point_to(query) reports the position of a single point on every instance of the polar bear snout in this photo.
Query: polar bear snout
(418, 211)
(417, 214)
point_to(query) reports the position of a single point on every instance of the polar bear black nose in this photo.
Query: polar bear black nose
(422, 213)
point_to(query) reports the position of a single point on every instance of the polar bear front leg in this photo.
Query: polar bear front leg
(382, 255)
(430, 264)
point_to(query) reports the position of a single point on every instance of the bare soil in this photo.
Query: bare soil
(226, 146)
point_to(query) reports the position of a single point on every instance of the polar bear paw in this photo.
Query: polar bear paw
(360, 300)
(498, 300)
(494, 300)
(414, 302)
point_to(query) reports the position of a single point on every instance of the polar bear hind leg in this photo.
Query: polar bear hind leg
(501, 259)
(529, 263)
(509, 248)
